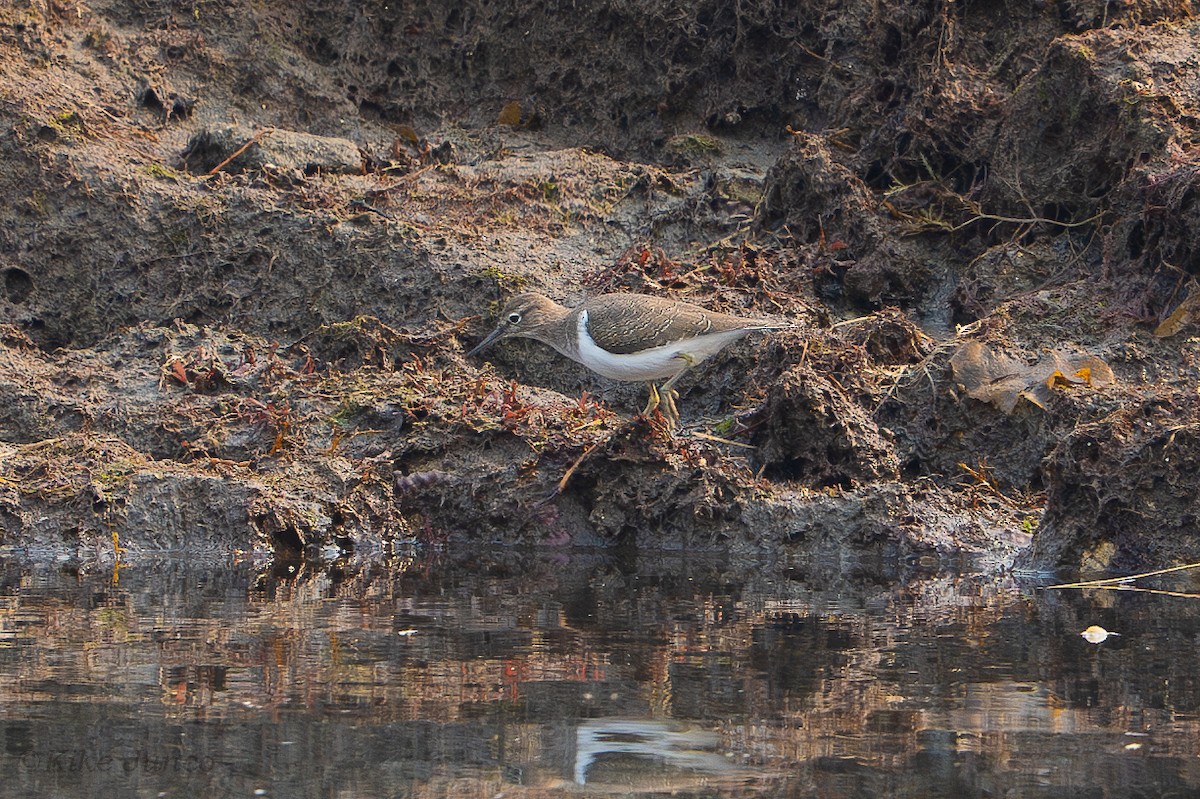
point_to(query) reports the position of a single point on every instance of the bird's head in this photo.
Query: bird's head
(525, 315)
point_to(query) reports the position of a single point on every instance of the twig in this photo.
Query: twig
(1121, 582)
(853, 321)
(814, 54)
(719, 440)
(1028, 220)
(1159, 591)
(403, 181)
(253, 139)
(562, 484)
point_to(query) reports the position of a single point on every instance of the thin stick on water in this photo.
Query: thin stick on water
(1123, 582)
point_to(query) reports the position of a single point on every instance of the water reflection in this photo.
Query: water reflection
(573, 674)
(635, 748)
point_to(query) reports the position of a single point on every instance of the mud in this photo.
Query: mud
(244, 249)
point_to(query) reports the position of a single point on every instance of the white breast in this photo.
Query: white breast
(652, 364)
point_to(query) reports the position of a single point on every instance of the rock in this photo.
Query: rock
(287, 151)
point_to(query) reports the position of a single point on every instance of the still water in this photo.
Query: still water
(568, 674)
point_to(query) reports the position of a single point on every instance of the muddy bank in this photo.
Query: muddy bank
(244, 250)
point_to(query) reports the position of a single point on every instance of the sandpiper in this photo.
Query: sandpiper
(627, 337)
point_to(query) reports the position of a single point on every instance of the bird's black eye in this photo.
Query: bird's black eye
(514, 318)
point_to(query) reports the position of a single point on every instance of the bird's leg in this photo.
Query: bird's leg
(655, 401)
(688, 361)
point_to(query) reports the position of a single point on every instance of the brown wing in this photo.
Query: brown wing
(626, 323)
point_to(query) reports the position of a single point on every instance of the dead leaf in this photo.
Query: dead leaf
(510, 115)
(989, 376)
(1058, 379)
(992, 376)
(1033, 398)
(408, 134)
(1097, 634)
(178, 372)
(1184, 313)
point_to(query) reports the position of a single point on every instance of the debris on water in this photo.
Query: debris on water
(1096, 634)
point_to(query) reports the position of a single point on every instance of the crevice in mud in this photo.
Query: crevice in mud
(18, 285)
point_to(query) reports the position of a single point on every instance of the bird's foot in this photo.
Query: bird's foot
(655, 401)
(670, 412)
(661, 407)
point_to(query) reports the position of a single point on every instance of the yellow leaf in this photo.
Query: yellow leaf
(408, 134)
(1058, 380)
(1184, 313)
(510, 114)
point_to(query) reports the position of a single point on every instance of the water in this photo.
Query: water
(573, 674)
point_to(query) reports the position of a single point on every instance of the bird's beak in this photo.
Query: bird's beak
(487, 342)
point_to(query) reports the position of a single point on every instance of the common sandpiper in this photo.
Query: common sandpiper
(633, 337)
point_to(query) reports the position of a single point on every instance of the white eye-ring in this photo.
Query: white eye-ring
(514, 318)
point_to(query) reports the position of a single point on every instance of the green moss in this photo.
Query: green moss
(113, 479)
(178, 238)
(97, 39)
(346, 411)
(68, 120)
(359, 325)
(723, 427)
(66, 124)
(162, 172)
(694, 144)
(37, 201)
(503, 279)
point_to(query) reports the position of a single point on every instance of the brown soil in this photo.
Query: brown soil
(243, 249)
